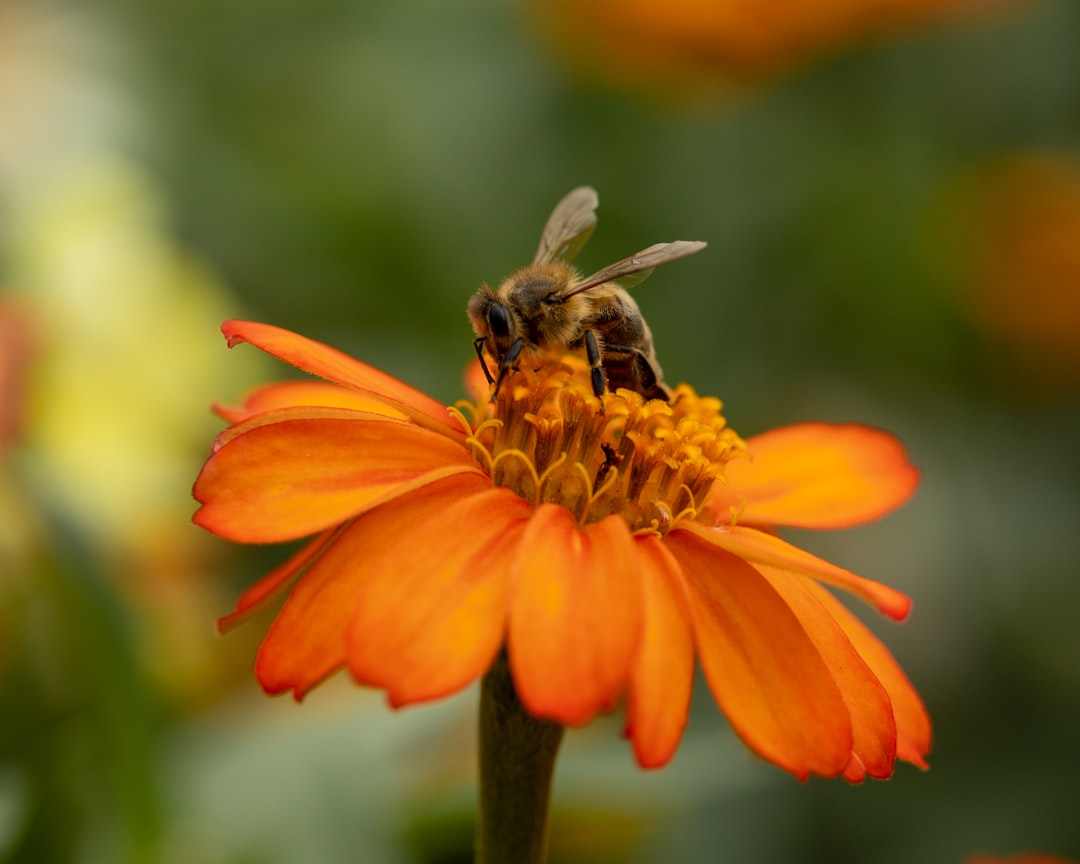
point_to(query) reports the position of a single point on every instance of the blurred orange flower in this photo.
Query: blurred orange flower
(15, 353)
(1021, 279)
(1021, 858)
(604, 543)
(638, 41)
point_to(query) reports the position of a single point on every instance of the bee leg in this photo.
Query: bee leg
(592, 354)
(507, 363)
(478, 344)
(650, 386)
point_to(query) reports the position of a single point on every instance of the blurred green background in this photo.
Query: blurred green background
(892, 206)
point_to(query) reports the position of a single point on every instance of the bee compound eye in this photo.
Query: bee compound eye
(498, 319)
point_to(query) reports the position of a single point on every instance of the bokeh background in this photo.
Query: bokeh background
(890, 190)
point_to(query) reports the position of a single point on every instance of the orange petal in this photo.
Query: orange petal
(326, 362)
(431, 614)
(575, 615)
(758, 547)
(816, 475)
(271, 586)
(913, 728)
(296, 412)
(289, 479)
(289, 394)
(476, 383)
(764, 670)
(662, 677)
(307, 641)
(872, 724)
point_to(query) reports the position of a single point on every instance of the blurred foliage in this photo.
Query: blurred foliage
(892, 217)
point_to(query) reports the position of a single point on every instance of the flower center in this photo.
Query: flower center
(550, 439)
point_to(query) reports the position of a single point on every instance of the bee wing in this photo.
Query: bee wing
(571, 224)
(636, 268)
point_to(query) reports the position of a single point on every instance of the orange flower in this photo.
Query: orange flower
(683, 41)
(15, 355)
(604, 543)
(1019, 222)
(1021, 858)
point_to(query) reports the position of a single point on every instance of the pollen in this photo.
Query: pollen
(547, 437)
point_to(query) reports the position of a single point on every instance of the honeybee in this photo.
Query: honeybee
(547, 306)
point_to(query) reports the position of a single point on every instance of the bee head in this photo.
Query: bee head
(527, 311)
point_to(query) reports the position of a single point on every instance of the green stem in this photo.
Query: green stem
(517, 761)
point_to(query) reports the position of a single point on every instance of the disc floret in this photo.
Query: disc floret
(547, 437)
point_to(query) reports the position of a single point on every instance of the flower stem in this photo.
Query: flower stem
(517, 761)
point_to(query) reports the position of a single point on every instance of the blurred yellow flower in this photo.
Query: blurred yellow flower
(111, 431)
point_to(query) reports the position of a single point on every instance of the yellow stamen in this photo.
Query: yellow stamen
(550, 439)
